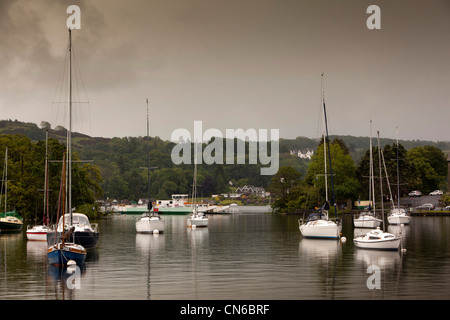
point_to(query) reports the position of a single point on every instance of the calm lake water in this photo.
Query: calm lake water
(241, 256)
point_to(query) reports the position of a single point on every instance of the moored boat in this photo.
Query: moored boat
(318, 225)
(63, 250)
(196, 219)
(149, 224)
(367, 219)
(10, 221)
(377, 239)
(398, 216)
(61, 253)
(150, 221)
(37, 233)
(85, 233)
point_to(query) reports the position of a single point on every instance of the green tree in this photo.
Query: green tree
(284, 189)
(346, 184)
(430, 167)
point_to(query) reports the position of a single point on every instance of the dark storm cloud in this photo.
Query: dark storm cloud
(234, 64)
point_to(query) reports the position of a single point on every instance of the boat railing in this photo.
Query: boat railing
(94, 226)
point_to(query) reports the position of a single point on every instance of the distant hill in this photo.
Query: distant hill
(120, 160)
(35, 133)
(356, 145)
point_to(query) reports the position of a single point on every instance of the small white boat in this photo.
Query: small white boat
(377, 239)
(197, 219)
(150, 224)
(37, 233)
(367, 219)
(398, 216)
(318, 226)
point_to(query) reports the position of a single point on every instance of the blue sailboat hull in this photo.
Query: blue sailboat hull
(60, 254)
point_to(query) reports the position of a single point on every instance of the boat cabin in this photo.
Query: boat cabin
(78, 219)
(317, 216)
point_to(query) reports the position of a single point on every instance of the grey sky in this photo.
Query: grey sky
(232, 64)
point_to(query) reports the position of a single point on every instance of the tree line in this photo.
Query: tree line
(26, 177)
(119, 168)
(420, 168)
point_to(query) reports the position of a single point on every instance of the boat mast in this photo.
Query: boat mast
(371, 179)
(324, 149)
(149, 205)
(46, 181)
(381, 180)
(194, 187)
(329, 155)
(398, 174)
(63, 202)
(69, 134)
(387, 180)
(6, 179)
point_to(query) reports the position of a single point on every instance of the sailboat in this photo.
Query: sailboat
(378, 239)
(63, 250)
(39, 232)
(150, 221)
(398, 215)
(367, 218)
(10, 221)
(85, 233)
(196, 219)
(318, 225)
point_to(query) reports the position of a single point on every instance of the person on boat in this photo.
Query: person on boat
(69, 234)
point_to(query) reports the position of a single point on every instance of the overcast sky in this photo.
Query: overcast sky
(231, 64)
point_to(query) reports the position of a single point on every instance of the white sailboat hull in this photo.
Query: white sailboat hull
(199, 221)
(323, 229)
(37, 233)
(392, 244)
(378, 240)
(367, 222)
(398, 218)
(150, 225)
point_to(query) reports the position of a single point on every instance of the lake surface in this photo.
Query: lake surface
(245, 255)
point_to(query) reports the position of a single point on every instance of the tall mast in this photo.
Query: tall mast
(194, 187)
(6, 178)
(381, 180)
(46, 180)
(324, 148)
(329, 156)
(149, 206)
(63, 195)
(398, 174)
(371, 179)
(69, 138)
